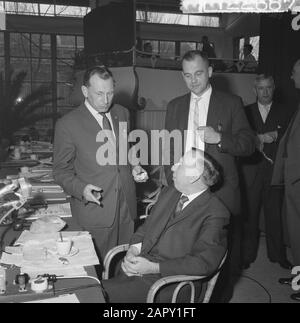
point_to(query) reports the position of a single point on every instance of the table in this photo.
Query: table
(92, 294)
(85, 295)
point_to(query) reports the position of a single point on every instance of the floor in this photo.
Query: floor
(259, 283)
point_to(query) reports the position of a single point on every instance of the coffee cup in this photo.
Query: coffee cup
(63, 246)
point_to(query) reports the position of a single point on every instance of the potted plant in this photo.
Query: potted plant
(17, 113)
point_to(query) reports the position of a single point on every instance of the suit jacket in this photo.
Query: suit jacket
(225, 114)
(277, 120)
(286, 170)
(193, 243)
(75, 166)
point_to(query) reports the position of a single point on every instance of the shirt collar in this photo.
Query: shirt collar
(91, 109)
(261, 106)
(191, 197)
(94, 112)
(206, 94)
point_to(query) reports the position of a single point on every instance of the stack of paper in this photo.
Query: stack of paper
(62, 210)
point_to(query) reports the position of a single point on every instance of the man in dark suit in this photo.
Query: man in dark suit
(269, 120)
(287, 173)
(86, 163)
(185, 233)
(215, 122)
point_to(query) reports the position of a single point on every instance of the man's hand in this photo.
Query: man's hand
(129, 259)
(91, 193)
(209, 135)
(268, 137)
(132, 252)
(140, 266)
(139, 174)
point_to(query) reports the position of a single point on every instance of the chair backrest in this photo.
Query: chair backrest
(184, 280)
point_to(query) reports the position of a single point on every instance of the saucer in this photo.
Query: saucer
(74, 251)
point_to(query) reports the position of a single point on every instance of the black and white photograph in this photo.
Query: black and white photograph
(149, 154)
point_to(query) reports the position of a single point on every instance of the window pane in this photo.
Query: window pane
(167, 18)
(186, 46)
(41, 70)
(65, 46)
(40, 45)
(80, 42)
(63, 92)
(26, 90)
(64, 70)
(254, 41)
(167, 49)
(72, 11)
(154, 45)
(20, 44)
(1, 44)
(204, 21)
(46, 10)
(242, 42)
(21, 64)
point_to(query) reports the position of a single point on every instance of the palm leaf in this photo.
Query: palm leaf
(17, 115)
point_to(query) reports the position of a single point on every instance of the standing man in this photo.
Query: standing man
(103, 199)
(269, 121)
(217, 124)
(287, 173)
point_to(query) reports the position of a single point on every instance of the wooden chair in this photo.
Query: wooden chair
(181, 280)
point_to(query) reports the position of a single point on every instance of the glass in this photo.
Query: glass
(46, 10)
(64, 70)
(40, 45)
(80, 42)
(254, 41)
(65, 46)
(186, 46)
(204, 21)
(19, 44)
(63, 93)
(21, 64)
(41, 70)
(167, 49)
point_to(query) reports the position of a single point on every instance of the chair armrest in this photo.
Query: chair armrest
(110, 255)
(173, 279)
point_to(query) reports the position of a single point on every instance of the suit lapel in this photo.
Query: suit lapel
(191, 208)
(160, 218)
(88, 117)
(215, 111)
(258, 118)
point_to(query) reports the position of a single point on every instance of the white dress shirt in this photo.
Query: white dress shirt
(264, 110)
(99, 117)
(197, 117)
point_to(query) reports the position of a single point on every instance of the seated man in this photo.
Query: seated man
(185, 233)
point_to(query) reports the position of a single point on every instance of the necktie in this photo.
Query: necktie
(288, 132)
(105, 122)
(264, 112)
(180, 204)
(197, 122)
